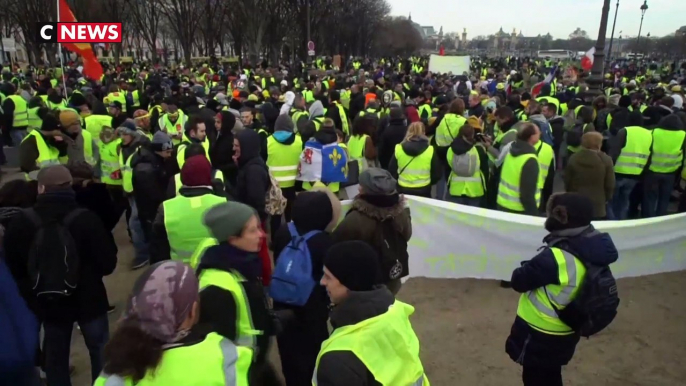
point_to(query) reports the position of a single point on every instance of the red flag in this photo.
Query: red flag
(587, 60)
(442, 51)
(91, 67)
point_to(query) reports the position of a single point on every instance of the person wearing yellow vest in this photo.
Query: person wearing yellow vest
(467, 181)
(15, 115)
(546, 97)
(218, 184)
(156, 110)
(546, 160)
(173, 122)
(110, 170)
(194, 132)
(583, 124)
(178, 230)
(298, 112)
(315, 122)
(415, 163)
(34, 120)
(44, 147)
(133, 95)
(360, 144)
(539, 340)
(447, 129)
(325, 136)
(666, 160)
(373, 342)
(142, 120)
(283, 157)
(518, 189)
(161, 342)
(232, 298)
(116, 96)
(81, 146)
(338, 113)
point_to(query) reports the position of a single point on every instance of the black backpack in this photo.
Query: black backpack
(392, 249)
(596, 302)
(53, 261)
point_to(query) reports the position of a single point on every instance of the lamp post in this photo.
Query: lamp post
(612, 36)
(595, 81)
(644, 8)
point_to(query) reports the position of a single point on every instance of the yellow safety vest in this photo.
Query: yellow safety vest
(309, 96)
(508, 189)
(117, 97)
(126, 171)
(174, 128)
(181, 150)
(109, 162)
(200, 251)
(231, 281)
(635, 153)
(467, 186)
(535, 307)
(667, 154)
(183, 223)
(546, 156)
(370, 112)
(296, 115)
(344, 118)
(136, 98)
(283, 160)
(448, 129)
(88, 148)
(550, 99)
(214, 361)
(35, 122)
(53, 106)
(414, 171)
(21, 111)
(317, 122)
(386, 344)
(156, 107)
(216, 175)
(356, 145)
(47, 155)
(94, 124)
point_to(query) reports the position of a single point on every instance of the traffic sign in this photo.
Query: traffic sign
(310, 53)
(310, 45)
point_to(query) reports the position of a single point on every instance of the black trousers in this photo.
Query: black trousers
(542, 376)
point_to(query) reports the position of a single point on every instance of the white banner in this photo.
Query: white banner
(445, 64)
(451, 241)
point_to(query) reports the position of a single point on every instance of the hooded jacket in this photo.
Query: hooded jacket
(591, 173)
(528, 182)
(97, 256)
(221, 151)
(530, 347)
(218, 306)
(557, 126)
(415, 147)
(334, 113)
(252, 181)
(670, 122)
(344, 368)
(389, 136)
(28, 151)
(307, 128)
(460, 146)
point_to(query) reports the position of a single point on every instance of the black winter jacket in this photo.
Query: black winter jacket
(388, 137)
(97, 255)
(151, 174)
(252, 181)
(414, 148)
(343, 368)
(528, 346)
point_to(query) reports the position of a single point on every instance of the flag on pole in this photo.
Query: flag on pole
(441, 52)
(587, 59)
(91, 66)
(548, 79)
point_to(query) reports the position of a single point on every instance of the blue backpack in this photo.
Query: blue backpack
(292, 281)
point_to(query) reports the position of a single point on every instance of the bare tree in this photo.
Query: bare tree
(184, 17)
(145, 18)
(25, 13)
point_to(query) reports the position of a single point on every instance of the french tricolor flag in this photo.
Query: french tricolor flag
(548, 79)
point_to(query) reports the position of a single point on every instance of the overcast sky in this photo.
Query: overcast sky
(533, 17)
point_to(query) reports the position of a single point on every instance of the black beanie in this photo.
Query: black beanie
(567, 211)
(354, 263)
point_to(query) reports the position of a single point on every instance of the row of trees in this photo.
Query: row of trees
(254, 28)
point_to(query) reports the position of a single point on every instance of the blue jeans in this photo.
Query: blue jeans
(657, 190)
(57, 345)
(140, 243)
(620, 200)
(464, 200)
(17, 136)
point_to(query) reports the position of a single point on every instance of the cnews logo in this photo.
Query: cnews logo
(78, 32)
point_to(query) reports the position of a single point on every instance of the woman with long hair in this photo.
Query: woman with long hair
(360, 144)
(414, 163)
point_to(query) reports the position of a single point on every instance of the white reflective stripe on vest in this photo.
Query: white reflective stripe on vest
(455, 178)
(665, 156)
(564, 297)
(630, 164)
(415, 172)
(514, 189)
(633, 155)
(283, 168)
(230, 353)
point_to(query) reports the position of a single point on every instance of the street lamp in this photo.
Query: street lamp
(612, 36)
(595, 81)
(644, 8)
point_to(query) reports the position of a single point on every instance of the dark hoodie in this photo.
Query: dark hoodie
(388, 137)
(151, 175)
(218, 306)
(221, 151)
(671, 122)
(252, 181)
(344, 368)
(530, 347)
(528, 182)
(303, 334)
(415, 147)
